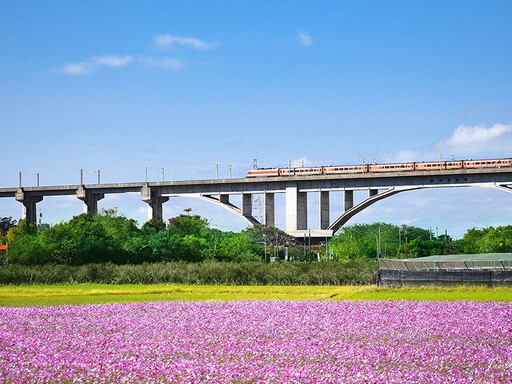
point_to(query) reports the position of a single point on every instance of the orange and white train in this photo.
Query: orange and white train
(379, 168)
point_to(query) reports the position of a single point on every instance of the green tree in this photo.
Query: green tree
(184, 225)
(7, 223)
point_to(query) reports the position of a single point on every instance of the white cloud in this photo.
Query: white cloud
(75, 69)
(95, 62)
(476, 135)
(465, 142)
(306, 39)
(164, 42)
(112, 61)
(168, 64)
(478, 141)
(172, 65)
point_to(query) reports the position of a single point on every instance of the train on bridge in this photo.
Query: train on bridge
(380, 168)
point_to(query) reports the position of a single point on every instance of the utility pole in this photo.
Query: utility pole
(19, 176)
(379, 243)
(265, 241)
(81, 176)
(230, 170)
(309, 243)
(441, 161)
(98, 176)
(146, 174)
(37, 176)
(217, 170)
(163, 174)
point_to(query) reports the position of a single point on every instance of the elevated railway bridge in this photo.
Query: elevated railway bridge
(296, 188)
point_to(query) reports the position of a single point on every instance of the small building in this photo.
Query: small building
(492, 269)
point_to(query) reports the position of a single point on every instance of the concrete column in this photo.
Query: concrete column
(302, 210)
(155, 202)
(29, 202)
(324, 209)
(155, 208)
(224, 199)
(296, 209)
(373, 192)
(90, 200)
(349, 199)
(246, 204)
(269, 210)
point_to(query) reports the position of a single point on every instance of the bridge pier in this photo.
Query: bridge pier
(324, 210)
(29, 202)
(296, 209)
(269, 210)
(155, 202)
(246, 207)
(349, 200)
(90, 200)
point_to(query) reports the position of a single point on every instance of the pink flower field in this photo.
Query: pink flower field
(258, 342)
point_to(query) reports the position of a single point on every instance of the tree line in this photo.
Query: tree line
(112, 238)
(392, 241)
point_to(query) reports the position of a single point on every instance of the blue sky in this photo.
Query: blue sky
(184, 86)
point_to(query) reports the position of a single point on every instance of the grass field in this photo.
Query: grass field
(103, 293)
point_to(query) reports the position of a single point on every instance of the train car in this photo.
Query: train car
(344, 169)
(454, 164)
(263, 172)
(303, 171)
(429, 166)
(395, 167)
(487, 163)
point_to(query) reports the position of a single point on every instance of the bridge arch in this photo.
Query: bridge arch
(349, 213)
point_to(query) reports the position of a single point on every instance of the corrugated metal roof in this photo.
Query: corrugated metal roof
(473, 257)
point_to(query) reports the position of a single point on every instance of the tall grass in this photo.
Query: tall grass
(357, 272)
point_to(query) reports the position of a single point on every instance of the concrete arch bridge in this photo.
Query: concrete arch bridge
(295, 188)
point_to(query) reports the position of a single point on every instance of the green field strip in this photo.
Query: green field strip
(81, 294)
